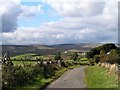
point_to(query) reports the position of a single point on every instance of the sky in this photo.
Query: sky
(49, 22)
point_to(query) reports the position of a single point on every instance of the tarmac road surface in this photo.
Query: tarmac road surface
(71, 79)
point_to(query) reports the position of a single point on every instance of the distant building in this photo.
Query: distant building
(108, 53)
(65, 52)
(83, 53)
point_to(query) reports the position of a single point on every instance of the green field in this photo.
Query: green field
(44, 57)
(84, 61)
(98, 77)
(31, 56)
(23, 56)
(25, 62)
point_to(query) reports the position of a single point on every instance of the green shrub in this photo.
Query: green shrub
(92, 62)
(56, 67)
(96, 58)
(71, 63)
(14, 76)
(58, 56)
(48, 71)
(64, 64)
(74, 56)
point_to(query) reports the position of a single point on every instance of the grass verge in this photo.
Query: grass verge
(98, 77)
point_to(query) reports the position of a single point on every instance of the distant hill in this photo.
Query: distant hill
(45, 49)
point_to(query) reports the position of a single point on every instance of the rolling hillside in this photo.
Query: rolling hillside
(45, 49)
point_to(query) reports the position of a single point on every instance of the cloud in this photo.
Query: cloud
(53, 35)
(77, 8)
(10, 12)
(81, 22)
(30, 11)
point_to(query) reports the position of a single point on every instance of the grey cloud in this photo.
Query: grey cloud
(58, 36)
(9, 18)
(95, 8)
(13, 11)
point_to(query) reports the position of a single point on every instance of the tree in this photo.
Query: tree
(118, 51)
(58, 56)
(96, 58)
(97, 50)
(102, 53)
(115, 56)
(108, 47)
(112, 57)
(75, 56)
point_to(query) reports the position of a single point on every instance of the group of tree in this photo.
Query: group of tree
(105, 53)
(58, 56)
(74, 56)
(95, 51)
(112, 57)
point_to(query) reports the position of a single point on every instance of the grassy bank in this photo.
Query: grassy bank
(98, 77)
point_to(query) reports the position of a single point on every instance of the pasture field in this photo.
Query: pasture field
(23, 56)
(30, 56)
(44, 57)
(33, 57)
(25, 62)
(84, 61)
